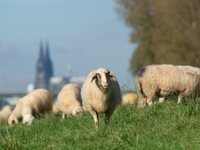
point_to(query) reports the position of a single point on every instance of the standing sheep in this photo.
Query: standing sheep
(165, 80)
(30, 105)
(101, 93)
(5, 113)
(69, 100)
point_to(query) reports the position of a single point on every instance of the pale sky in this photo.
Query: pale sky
(88, 34)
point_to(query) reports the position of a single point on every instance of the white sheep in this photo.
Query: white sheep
(101, 93)
(35, 103)
(186, 68)
(165, 80)
(69, 100)
(129, 99)
(5, 113)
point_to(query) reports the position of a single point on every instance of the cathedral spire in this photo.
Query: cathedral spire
(44, 69)
(47, 50)
(41, 51)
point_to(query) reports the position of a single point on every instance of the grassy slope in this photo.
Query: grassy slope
(163, 126)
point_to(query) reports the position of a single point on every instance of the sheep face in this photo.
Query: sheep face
(77, 110)
(28, 118)
(103, 77)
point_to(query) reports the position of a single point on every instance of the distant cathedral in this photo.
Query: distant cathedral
(44, 68)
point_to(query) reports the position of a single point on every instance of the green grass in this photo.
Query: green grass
(164, 126)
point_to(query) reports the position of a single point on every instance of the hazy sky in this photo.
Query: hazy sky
(88, 34)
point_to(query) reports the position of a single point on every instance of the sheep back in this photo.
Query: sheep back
(69, 100)
(75, 88)
(46, 99)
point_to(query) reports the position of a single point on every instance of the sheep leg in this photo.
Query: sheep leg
(161, 99)
(63, 115)
(144, 101)
(179, 99)
(16, 120)
(149, 100)
(96, 117)
(107, 117)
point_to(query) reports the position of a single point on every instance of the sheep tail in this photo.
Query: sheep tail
(139, 88)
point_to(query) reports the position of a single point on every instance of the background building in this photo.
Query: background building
(44, 74)
(44, 69)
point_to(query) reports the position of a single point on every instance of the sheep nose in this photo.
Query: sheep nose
(105, 83)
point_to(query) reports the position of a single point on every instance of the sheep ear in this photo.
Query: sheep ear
(93, 76)
(112, 76)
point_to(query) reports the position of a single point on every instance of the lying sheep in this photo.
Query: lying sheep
(69, 100)
(129, 99)
(165, 80)
(101, 93)
(186, 68)
(5, 113)
(37, 102)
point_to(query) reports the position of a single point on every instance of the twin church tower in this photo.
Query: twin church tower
(44, 68)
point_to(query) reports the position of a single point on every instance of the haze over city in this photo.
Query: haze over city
(84, 34)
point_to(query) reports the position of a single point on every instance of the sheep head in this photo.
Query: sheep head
(103, 77)
(77, 110)
(28, 118)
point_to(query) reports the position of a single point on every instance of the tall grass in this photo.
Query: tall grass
(163, 126)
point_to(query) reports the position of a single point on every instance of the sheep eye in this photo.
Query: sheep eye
(99, 75)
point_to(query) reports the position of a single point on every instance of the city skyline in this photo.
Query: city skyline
(88, 35)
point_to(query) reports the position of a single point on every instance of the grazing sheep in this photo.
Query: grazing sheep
(69, 100)
(165, 80)
(5, 113)
(30, 105)
(101, 93)
(129, 99)
(186, 68)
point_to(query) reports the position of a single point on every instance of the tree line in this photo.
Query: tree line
(166, 31)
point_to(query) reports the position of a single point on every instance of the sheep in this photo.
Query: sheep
(101, 93)
(186, 68)
(165, 80)
(129, 99)
(35, 103)
(69, 100)
(5, 113)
